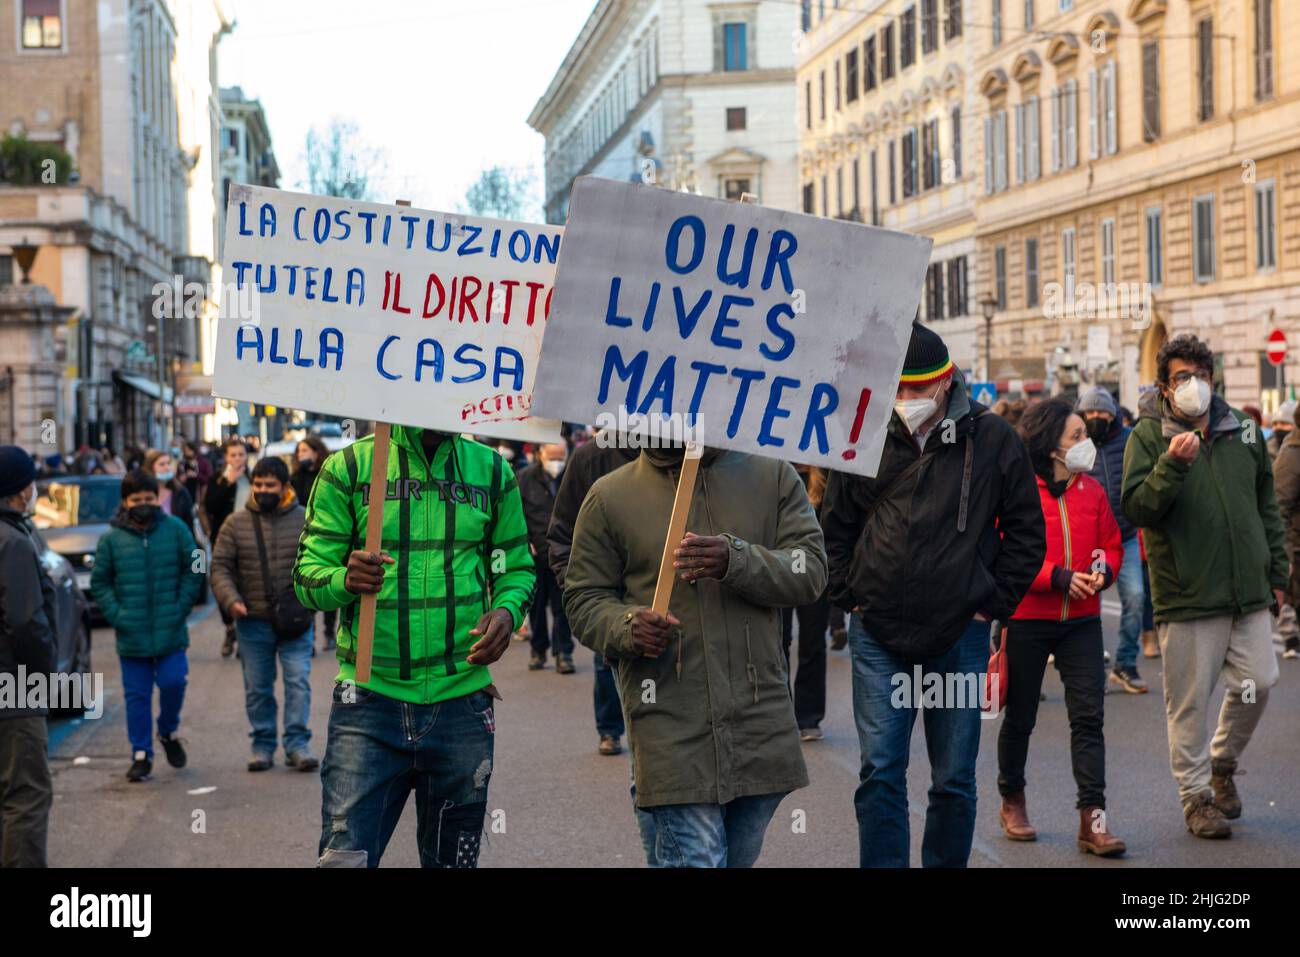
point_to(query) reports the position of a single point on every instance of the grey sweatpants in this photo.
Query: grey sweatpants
(1194, 654)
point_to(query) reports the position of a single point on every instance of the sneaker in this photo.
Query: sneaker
(261, 761)
(175, 753)
(140, 768)
(564, 665)
(536, 662)
(610, 744)
(228, 646)
(1105, 656)
(303, 760)
(1292, 648)
(1226, 798)
(839, 638)
(1204, 819)
(1129, 680)
(810, 734)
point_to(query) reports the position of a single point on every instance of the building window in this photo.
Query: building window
(735, 49)
(995, 152)
(929, 28)
(857, 191)
(809, 197)
(1205, 67)
(1203, 238)
(930, 171)
(934, 291)
(1000, 277)
(839, 191)
(1151, 91)
(1103, 129)
(807, 99)
(1029, 13)
(910, 186)
(1067, 261)
(837, 86)
(1028, 150)
(952, 23)
(956, 142)
(1108, 251)
(1155, 248)
(957, 286)
(733, 189)
(996, 13)
(1031, 273)
(907, 38)
(869, 64)
(851, 75)
(886, 52)
(6, 270)
(1265, 225)
(893, 194)
(805, 15)
(42, 24)
(821, 94)
(736, 117)
(1263, 49)
(875, 202)
(1065, 126)
(825, 197)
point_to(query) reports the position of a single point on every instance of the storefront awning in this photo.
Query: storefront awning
(141, 384)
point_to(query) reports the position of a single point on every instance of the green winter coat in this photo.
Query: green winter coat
(146, 583)
(710, 719)
(456, 529)
(1214, 540)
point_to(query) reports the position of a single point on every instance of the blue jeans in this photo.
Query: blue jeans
(713, 835)
(379, 750)
(258, 648)
(604, 700)
(169, 673)
(1131, 595)
(952, 739)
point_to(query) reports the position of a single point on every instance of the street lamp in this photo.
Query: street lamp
(989, 305)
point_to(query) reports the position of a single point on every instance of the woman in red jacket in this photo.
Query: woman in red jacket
(1061, 616)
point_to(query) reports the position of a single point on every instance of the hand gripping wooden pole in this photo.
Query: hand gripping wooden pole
(676, 527)
(374, 537)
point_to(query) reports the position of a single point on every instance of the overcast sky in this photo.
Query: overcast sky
(444, 88)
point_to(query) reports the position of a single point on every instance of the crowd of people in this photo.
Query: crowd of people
(984, 532)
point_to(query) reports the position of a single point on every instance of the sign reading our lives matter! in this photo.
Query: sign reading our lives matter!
(759, 330)
(384, 312)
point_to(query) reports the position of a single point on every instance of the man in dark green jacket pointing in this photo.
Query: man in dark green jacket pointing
(1197, 479)
(454, 580)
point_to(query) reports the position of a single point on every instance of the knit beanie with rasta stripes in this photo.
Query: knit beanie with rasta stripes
(927, 358)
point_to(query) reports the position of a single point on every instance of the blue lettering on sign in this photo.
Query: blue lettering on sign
(379, 359)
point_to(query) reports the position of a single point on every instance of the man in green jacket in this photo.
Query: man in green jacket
(147, 576)
(1197, 478)
(704, 688)
(460, 582)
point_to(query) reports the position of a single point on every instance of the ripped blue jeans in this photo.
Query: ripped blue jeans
(379, 751)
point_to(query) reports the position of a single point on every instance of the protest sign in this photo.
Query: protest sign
(384, 312)
(758, 330)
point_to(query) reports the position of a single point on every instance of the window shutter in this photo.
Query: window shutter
(1150, 91)
(1094, 108)
(988, 154)
(1035, 141)
(1072, 124)
(1020, 142)
(1000, 142)
(719, 54)
(1112, 110)
(1057, 131)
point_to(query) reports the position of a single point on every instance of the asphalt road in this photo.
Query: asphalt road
(562, 804)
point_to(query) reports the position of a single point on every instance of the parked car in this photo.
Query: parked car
(72, 512)
(72, 614)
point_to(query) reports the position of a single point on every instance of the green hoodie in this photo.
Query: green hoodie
(456, 529)
(1214, 540)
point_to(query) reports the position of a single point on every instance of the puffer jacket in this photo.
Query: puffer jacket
(27, 607)
(1082, 536)
(145, 582)
(711, 719)
(236, 566)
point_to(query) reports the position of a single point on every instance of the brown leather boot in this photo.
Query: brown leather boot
(1204, 819)
(1225, 789)
(1150, 645)
(1015, 819)
(1095, 836)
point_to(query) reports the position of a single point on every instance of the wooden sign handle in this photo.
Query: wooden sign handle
(676, 528)
(374, 538)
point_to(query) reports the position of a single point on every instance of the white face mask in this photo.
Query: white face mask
(914, 412)
(553, 467)
(1081, 456)
(1192, 398)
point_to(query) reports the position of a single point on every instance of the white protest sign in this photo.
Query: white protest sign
(387, 313)
(759, 330)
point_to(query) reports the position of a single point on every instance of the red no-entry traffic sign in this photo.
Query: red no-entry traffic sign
(1276, 347)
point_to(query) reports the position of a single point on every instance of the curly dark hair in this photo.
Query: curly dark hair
(1040, 429)
(138, 480)
(1186, 347)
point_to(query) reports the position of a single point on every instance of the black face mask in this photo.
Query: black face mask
(1098, 429)
(267, 501)
(142, 514)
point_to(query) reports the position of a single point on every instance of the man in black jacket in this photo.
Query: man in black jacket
(27, 626)
(538, 483)
(947, 536)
